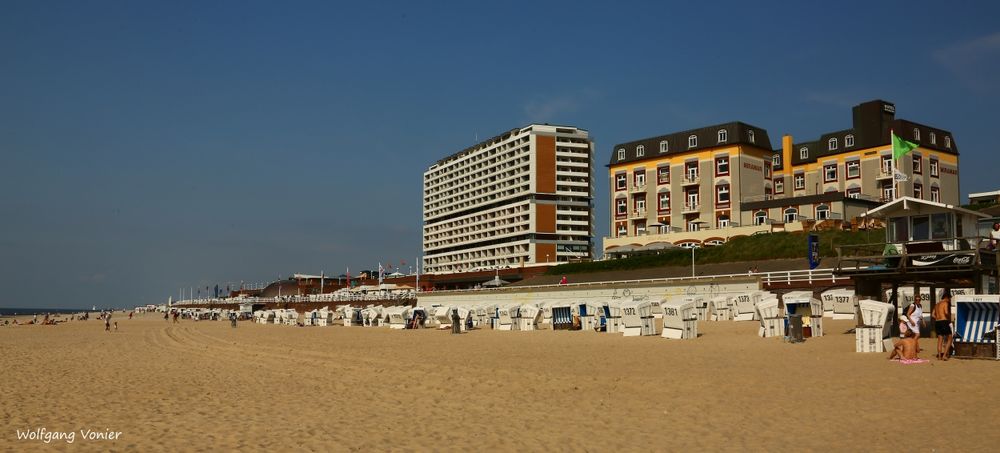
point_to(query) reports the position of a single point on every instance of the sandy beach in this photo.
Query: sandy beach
(203, 386)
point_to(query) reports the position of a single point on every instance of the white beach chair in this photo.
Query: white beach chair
(637, 318)
(680, 319)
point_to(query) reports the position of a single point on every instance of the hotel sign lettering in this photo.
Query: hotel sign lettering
(751, 166)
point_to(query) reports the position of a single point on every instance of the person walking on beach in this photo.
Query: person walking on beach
(942, 325)
(107, 322)
(456, 326)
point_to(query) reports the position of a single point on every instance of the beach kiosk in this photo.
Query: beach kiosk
(680, 320)
(927, 245)
(976, 321)
(637, 318)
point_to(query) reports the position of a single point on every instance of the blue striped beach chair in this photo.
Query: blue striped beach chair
(975, 316)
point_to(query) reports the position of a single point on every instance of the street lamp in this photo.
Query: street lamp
(692, 260)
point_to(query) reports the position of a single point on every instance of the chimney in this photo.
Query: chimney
(786, 154)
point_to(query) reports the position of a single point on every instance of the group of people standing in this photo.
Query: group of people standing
(911, 322)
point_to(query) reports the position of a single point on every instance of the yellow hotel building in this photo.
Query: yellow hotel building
(703, 186)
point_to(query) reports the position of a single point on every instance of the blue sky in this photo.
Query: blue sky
(149, 146)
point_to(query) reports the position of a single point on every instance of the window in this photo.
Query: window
(621, 207)
(776, 160)
(934, 167)
(799, 181)
(779, 185)
(767, 169)
(622, 231)
(639, 177)
(621, 154)
(918, 190)
(935, 194)
(921, 229)
(664, 147)
(888, 191)
(768, 193)
(916, 134)
(848, 141)
(692, 141)
(887, 164)
(750, 136)
(853, 169)
(831, 144)
(933, 139)
(918, 166)
(759, 218)
(947, 142)
(723, 136)
(791, 214)
(803, 153)
(663, 175)
(723, 221)
(854, 192)
(640, 151)
(721, 166)
(620, 181)
(664, 201)
(639, 203)
(822, 212)
(640, 228)
(691, 170)
(692, 200)
(722, 194)
(941, 226)
(830, 173)
(899, 229)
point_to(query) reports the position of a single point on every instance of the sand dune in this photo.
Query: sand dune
(205, 386)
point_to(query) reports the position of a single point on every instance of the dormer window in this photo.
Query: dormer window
(640, 151)
(803, 153)
(664, 147)
(831, 144)
(692, 141)
(947, 142)
(916, 134)
(621, 154)
(933, 139)
(776, 159)
(750, 136)
(723, 136)
(849, 141)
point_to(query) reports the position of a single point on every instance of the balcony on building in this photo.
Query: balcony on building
(691, 207)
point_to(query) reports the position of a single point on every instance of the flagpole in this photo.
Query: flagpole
(895, 183)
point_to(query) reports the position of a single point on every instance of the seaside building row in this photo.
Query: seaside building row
(703, 186)
(525, 197)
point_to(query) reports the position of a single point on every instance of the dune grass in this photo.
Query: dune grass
(742, 249)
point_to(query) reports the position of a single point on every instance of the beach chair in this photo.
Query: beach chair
(637, 318)
(562, 314)
(845, 305)
(772, 322)
(528, 317)
(744, 306)
(720, 308)
(874, 326)
(613, 314)
(680, 320)
(976, 320)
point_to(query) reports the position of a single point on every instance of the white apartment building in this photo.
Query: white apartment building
(522, 198)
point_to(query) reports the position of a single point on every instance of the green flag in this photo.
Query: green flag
(900, 147)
